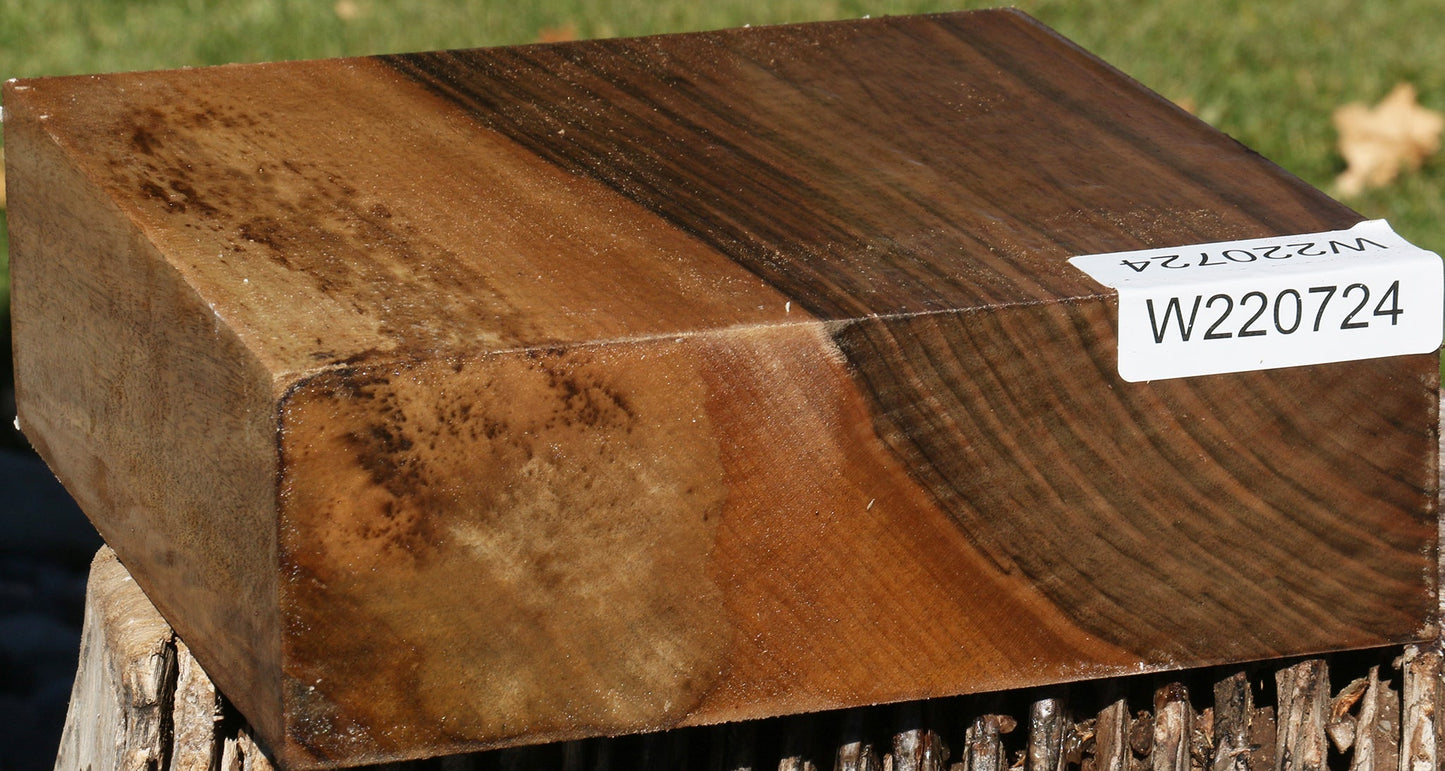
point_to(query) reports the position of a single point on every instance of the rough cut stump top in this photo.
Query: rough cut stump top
(452, 400)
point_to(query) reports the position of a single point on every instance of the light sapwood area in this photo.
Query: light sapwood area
(449, 401)
(142, 702)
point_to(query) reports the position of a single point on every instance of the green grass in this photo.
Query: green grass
(1268, 73)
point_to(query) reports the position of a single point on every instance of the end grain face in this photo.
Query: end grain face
(457, 400)
(493, 536)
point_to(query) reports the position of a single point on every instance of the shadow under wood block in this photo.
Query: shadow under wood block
(460, 400)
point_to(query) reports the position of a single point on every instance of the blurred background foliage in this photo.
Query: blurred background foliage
(1267, 73)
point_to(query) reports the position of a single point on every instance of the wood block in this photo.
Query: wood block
(455, 400)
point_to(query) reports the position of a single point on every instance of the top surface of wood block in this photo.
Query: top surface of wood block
(474, 201)
(451, 400)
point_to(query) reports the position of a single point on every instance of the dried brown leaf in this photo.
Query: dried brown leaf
(346, 10)
(1379, 142)
(559, 34)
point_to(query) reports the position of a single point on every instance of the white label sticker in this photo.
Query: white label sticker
(1237, 306)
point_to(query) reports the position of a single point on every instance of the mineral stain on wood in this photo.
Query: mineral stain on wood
(449, 401)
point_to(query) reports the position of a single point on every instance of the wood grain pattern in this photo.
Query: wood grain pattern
(1421, 699)
(1111, 738)
(123, 690)
(1304, 698)
(456, 400)
(1236, 737)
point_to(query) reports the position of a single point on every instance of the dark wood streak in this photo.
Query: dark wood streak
(786, 207)
(1154, 133)
(815, 200)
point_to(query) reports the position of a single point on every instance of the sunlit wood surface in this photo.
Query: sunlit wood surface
(454, 400)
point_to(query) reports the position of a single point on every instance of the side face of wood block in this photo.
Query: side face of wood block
(155, 415)
(453, 400)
